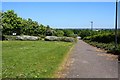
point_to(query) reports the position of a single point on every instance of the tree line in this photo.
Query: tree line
(12, 23)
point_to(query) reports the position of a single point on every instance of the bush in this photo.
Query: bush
(59, 33)
(42, 36)
(84, 33)
(101, 38)
(68, 39)
(10, 37)
(55, 38)
(50, 38)
(114, 50)
(68, 33)
(25, 37)
(106, 46)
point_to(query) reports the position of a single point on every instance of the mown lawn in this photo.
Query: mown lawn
(28, 59)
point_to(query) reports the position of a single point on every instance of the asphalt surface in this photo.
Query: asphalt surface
(89, 62)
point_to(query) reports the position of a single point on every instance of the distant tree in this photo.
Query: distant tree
(68, 33)
(25, 27)
(59, 33)
(11, 23)
(84, 33)
(41, 30)
(0, 25)
(48, 27)
(50, 32)
(1, 20)
(76, 31)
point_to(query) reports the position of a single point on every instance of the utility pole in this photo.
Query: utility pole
(116, 20)
(91, 25)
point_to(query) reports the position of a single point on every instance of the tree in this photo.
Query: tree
(68, 33)
(11, 22)
(41, 30)
(59, 33)
(50, 32)
(85, 33)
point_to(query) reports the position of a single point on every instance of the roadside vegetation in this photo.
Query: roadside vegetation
(104, 39)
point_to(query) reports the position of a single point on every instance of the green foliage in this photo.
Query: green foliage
(68, 39)
(68, 33)
(59, 33)
(6, 37)
(32, 59)
(10, 22)
(84, 33)
(13, 24)
(110, 47)
(115, 50)
(88, 33)
(41, 30)
(55, 38)
(50, 32)
(103, 37)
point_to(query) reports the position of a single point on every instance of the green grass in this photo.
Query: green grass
(31, 59)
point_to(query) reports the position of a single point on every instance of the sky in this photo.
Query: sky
(66, 14)
(58, 0)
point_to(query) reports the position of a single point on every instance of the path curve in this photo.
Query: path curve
(90, 62)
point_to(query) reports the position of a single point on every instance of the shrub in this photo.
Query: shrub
(55, 38)
(42, 36)
(84, 33)
(51, 38)
(25, 37)
(59, 33)
(6, 37)
(114, 50)
(101, 38)
(68, 39)
(68, 33)
(109, 47)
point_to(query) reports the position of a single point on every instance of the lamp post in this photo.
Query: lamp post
(116, 16)
(91, 25)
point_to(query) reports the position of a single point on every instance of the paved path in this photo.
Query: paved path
(90, 62)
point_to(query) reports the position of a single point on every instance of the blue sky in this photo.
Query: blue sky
(66, 14)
